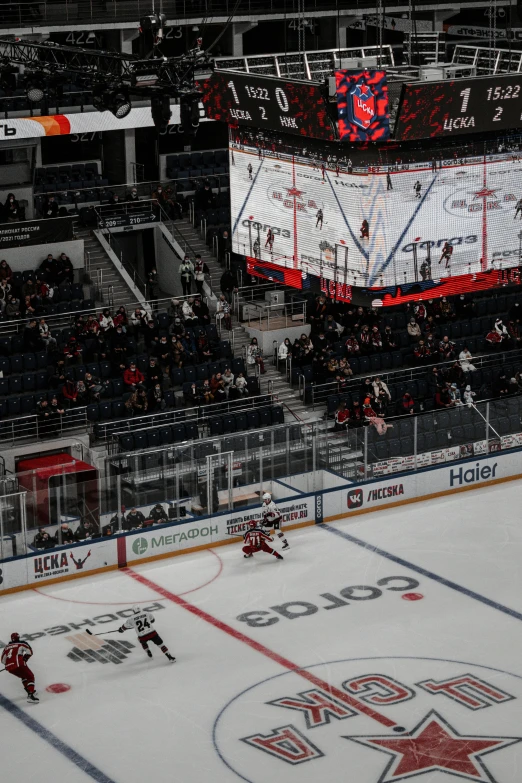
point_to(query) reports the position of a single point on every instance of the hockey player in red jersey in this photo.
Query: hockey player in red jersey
(14, 657)
(256, 541)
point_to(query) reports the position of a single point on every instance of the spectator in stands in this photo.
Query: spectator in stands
(51, 208)
(105, 321)
(153, 289)
(134, 519)
(430, 326)
(163, 351)
(431, 344)
(86, 529)
(5, 290)
(223, 312)
(204, 198)
(82, 395)
(56, 407)
(13, 309)
(119, 344)
(132, 377)
(468, 395)
(28, 288)
(65, 270)
(205, 393)
(454, 394)
(371, 417)
(356, 415)
(44, 292)
(48, 421)
(421, 353)
(464, 307)
(380, 386)
(380, 404)
(120, 318)
(43, 540)
(366, 390)
(345, 369)
(342, 417)
(284, 350)
(228, 284)
(6, 273)
(407, 404)
(132, 196)
(201, 311)
(72, 351)
(331, 329)
(191, 395)
(465, 358)
(28, 306)
(189, 317)
(64, 535)
(31, 337)
(200, 270)
(138, 321)
(186, 273)
(388, 340)
(376, 340)
(447, 310)
(446, 349)
(442, 398)
(94, 387)
(414, 330)
(365, 340)
(241, 385)
(318, 313)
(156, 399)
(254, 356)
(153, 375)
(228, 380)
(220, 394)
(12, 210)
(501, 385)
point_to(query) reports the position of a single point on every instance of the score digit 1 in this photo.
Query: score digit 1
(234, 92)
(465, 98)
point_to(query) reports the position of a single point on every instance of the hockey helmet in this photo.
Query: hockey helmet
(136, 609)
(15, 637)
(267, 497)
(252, 523)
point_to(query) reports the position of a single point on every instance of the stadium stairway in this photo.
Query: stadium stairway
(273, 380)
(98, 259)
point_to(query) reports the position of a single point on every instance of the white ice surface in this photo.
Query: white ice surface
(148, 720)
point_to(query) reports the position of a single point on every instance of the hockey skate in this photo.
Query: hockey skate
(279, 557)
(250, 555)
(286, 545)
(149, 653)
(170, 657)
(32, 698)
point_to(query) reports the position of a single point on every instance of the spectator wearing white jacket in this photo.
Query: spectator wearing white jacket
(468, 395)
(465, 358)
(284, 350)
(379, 386)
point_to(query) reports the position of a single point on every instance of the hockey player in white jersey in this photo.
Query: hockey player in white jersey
(272, 518)
(142, 622)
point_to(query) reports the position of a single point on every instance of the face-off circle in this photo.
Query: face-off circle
(58, 687)
(419, 715)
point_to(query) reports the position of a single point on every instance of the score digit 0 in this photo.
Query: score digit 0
(282, 100)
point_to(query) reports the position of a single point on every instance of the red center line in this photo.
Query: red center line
(360, 707)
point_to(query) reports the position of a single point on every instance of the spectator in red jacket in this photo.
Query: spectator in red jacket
(407, 403)
(132, 377)
(69, 394)
(342, 417)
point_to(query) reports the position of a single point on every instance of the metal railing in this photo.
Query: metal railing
(16, 430)
(275, 316)
(51, 12)
(320, 392)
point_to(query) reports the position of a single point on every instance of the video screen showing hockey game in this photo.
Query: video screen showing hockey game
(376, 228)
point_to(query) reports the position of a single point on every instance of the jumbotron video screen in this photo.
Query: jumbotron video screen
(376, 229)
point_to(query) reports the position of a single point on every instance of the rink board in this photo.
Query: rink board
(299, 511)
(469, 203)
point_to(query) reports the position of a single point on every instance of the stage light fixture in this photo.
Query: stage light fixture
(160, 110)
(189, 113)
(34, 91)
(113, 99)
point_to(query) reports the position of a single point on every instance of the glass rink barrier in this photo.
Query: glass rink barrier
(60, 504)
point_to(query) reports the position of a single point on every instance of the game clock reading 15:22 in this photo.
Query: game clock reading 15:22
(452, 108)
(268, 103)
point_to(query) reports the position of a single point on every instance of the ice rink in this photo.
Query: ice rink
(385, 648)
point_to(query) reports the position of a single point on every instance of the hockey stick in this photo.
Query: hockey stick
(116, 630)
(2, 670)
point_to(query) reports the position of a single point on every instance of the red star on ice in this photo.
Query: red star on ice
(435, 745)
(484, 193)
(293, 191)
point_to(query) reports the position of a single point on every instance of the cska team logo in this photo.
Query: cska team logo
(361, 105)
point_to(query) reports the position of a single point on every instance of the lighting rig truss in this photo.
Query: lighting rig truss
(112, 77)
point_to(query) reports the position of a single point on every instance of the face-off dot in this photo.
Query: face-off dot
(399, 728)
(412, 596)
(58, 687)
